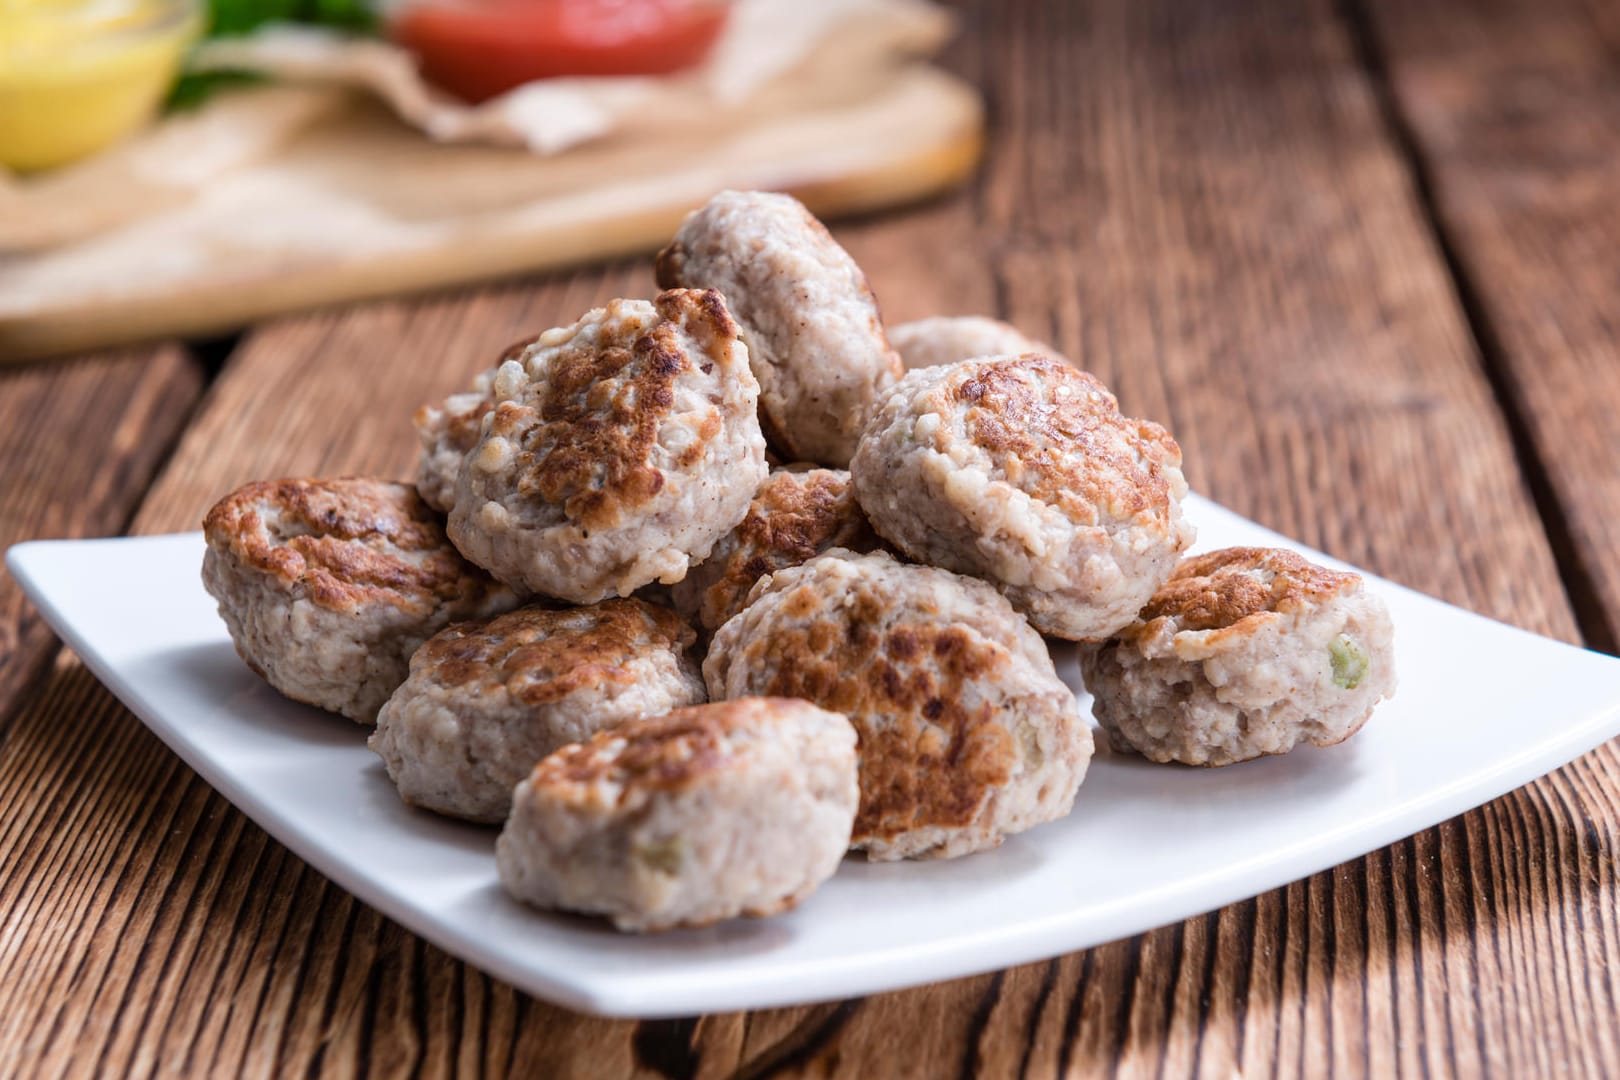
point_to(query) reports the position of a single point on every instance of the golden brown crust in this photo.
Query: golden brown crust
(604, 406)
(795, 516)
(542, 655)
(345, 543)
(1057, 434)
(927, 757)
(656, 753)
(1224, 590)
(461, 433)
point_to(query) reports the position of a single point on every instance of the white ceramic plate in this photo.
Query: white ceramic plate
(1482, 708)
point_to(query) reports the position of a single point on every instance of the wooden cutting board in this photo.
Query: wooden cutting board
(352, 204)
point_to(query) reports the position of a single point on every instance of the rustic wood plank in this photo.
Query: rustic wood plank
(1201, 203)
(79, 443)
(1512, 110)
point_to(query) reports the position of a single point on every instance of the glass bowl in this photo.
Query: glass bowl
(77, 75)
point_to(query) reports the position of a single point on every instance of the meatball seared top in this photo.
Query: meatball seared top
(1023, 471)
(1056, 434)
(966, 731)
(1227, 595)
(347, 543)
(676, 751)
(917, 668)
(588, 428)
(540, 656)
(1243, 653)
(618, 451)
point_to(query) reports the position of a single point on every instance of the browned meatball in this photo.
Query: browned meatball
(485, 701)
(967, 733)
(618, 451)
(737, 808)
(328, 586)
(1243, 652)
(1022, 470)
(814, 336)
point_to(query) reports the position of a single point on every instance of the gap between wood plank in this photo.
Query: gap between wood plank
(212, 354)
(1578, 578)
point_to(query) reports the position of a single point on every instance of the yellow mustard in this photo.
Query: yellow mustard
(76, 75)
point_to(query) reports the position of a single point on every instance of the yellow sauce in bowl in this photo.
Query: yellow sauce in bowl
(76, 75)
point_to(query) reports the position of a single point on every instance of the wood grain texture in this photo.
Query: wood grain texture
(1201, 202)
(79, 443)
(1513, 109)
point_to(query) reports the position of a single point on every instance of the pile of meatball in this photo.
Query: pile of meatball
(700, 593)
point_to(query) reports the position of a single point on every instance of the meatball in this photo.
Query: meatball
(795, 515)
(1021, 470)
(945, 339)
(449, 430)
(618, 451)
(486, 701)
(1243, 652)
(328, 586)
(966, 733)
(811, 323)
(709, 812)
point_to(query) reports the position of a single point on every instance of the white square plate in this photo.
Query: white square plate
(1482, 708)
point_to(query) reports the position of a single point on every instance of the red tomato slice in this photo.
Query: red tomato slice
(477, 49)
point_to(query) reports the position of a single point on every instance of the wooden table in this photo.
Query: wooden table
(1361, 258)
